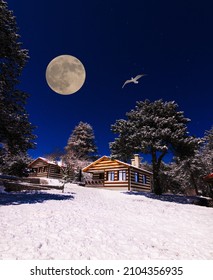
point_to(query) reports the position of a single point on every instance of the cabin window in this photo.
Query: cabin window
(40, 169)
(136, 177)
(57, 170)
(122, 175)
(111, 175)
(144, 179)
(45, 168)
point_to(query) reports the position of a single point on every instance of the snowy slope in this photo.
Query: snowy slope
(99, 224)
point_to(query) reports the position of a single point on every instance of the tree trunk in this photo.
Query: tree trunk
(194, 183)
(80, 175)
(156, 167)
(156, 183)
(193, 180)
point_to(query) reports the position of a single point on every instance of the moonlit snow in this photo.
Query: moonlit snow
(85, 223)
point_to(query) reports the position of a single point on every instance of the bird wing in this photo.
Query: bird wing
(127, 81)
(139, 76)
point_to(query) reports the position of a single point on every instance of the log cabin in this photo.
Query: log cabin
(114, 174)
(44, 168)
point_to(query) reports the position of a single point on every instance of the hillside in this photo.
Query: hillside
(88, 224)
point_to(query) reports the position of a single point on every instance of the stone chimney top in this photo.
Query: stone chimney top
(133, 161)
(136, 161)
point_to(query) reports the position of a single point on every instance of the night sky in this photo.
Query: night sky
(170, 41)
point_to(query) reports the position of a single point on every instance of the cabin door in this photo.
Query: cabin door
(101, 176)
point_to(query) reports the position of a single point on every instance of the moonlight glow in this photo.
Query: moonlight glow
(65, 74)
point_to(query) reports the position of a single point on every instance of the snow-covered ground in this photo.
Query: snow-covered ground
(86, 223)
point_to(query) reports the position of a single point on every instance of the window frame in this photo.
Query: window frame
(111, 176)
(122, 175)
(144, 179)
(136, 177)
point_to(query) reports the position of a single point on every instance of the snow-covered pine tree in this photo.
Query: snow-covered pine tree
(207, 151)
(204, 157)
(16, 135)
(81, 142)
(187, 173)
(80, 150)
(120, 148)
(14, 164)
(155, 128)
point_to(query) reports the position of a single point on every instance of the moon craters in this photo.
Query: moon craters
(65, 74)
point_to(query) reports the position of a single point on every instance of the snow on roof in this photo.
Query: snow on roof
(59, 163)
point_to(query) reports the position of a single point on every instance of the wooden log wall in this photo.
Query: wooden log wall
(55, 172)
(106, 165)
(40, 169)
(116, 183)
(97, 176)
(140, 185)
(43, 169)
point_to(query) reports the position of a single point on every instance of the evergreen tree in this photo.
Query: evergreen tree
(186, 173)
(72, 171)
(207, 151)
(154, 128)
(81, 143)
(15, 129)
(80, 150)
(120, 149)
(16, 165)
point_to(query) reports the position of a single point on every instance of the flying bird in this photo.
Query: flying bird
(134, 80)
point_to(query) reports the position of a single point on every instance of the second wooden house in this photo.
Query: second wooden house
(114, 174)
(44, 168)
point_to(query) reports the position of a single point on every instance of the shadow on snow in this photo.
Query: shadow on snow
(31, 197)
(168, 197)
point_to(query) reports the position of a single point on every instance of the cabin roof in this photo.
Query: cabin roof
(47, 161)
(85, 169)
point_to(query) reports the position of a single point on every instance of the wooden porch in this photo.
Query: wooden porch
(94, 183)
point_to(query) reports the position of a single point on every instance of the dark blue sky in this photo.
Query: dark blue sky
(171, 41)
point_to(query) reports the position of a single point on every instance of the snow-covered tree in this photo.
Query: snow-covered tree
(186, 173)
(15, 129)
(80, 150)
(209, 138)
(72, 169)
(120, 149)
(81, 143)
(207, 151)
(154, 128)
(14, 164)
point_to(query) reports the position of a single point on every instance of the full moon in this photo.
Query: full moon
(65, 74)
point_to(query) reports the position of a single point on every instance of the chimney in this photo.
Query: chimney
(133, 161)
(136, 160)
